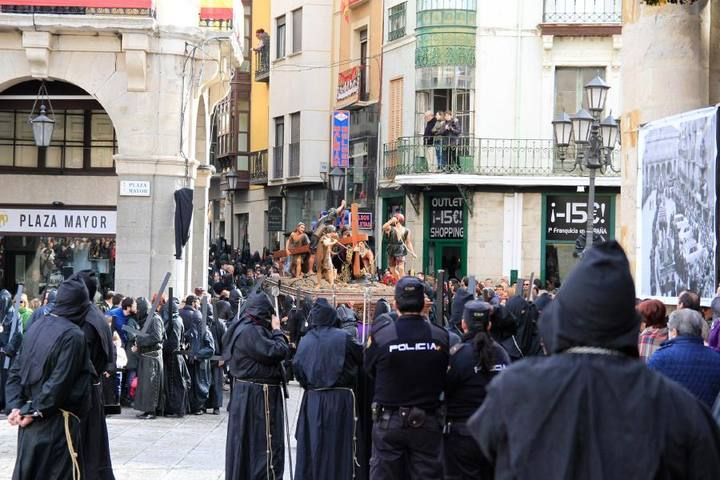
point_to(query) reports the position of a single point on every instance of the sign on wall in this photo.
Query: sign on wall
(275, 214)
(348, 85)
(566, 217)
(365, 220)
(53, 222)
(134, 188)
(341, 139)
(447, 218)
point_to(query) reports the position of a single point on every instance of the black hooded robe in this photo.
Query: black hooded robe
(202, 349)
(95, 447)
(217, 330)
(149, 396)
(326, 365)
(592, 410)
(52, 375)
(176, 375)
(253, 353)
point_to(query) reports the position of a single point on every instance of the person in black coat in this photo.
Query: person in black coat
(201, 346)
(326, 365)
(176, 374)
(591, 409)
(48, 390)
(217, 330)
(254, 348)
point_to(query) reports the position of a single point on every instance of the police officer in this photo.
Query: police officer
(408, 360)
(473, 363)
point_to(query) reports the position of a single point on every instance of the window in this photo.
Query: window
(396, 105)
(279, 147)
(81, 140)
(295, 144)
(396, 21)
(280, 34)
(364, 87)
(569, 83)
(297, 30)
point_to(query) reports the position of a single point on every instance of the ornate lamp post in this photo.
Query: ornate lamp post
(42, 125)
(594, 142)
(232, 177)
(337, 180)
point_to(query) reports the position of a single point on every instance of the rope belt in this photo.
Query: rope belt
(594, 351)
(356, 464)
(269, 467)
(71, 447)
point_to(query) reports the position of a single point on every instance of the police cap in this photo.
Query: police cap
(477, 315)
(410, 294)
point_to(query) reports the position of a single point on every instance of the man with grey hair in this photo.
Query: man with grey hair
(685, 359)
(428, 138)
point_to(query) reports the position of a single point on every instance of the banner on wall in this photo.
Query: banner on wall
(676, 206)
(447, 218)
(124, 4)
(341, 139)
(566, 217)
(55, 222)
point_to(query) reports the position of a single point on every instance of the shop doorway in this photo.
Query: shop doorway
(446, 256)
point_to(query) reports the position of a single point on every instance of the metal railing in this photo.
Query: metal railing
(479, 156)
(262, 64)
(583, 11)
(259, 168)
(278, 162)
(78, 10)
(294, 160)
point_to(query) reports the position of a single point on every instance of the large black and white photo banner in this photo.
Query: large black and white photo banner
(676, 215)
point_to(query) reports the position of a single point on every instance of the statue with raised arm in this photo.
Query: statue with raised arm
(399, 244)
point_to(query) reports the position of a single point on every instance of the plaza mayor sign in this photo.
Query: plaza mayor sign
(53, 222)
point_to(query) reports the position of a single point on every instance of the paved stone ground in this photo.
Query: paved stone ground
(190, 448)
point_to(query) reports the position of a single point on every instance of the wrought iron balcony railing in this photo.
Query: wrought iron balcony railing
(583, 11)
(294, 159)
(478, 156)
(278, 169)
(259, 168)
(262, 64)
(136, 9)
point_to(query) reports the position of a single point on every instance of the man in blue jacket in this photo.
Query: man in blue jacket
(684, 358)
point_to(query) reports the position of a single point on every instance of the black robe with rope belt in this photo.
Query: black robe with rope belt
(253, 353)
(51, 375)
(326, 365)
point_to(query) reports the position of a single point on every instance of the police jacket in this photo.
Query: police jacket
(467, 379)
(408, 360)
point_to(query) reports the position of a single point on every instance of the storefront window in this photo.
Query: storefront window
(44, 262)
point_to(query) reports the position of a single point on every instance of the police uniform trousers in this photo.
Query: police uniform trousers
(403, 452)
(462, 457)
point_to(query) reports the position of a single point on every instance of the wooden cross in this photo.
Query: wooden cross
(355, 238)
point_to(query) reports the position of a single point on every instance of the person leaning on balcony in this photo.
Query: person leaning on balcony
(428, 137)
(438, 142)
(264, 45)
(451, 130)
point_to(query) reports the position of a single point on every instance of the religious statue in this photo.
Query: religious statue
(298, 238)
(399, 244)
(326, 269)
(326, 218)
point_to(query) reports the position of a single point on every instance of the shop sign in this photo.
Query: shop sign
(446, 218)
(134, 188)
(566, 217)
(341, 139)
(54, 222)
(365, 220)
(348, 85)
(114, 4)
(275, 214)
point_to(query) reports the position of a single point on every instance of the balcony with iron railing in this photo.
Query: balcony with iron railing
(262, 64)
(259, 168)
(496, 157)
(137, 8)
(583, 11)
(278, 162)
(294, 159)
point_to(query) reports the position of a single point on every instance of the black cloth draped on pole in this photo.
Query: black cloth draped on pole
(183, 217)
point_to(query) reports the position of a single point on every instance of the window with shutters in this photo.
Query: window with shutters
(396, 106)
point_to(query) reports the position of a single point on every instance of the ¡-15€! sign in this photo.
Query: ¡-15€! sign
(566, 217)
(446, 218)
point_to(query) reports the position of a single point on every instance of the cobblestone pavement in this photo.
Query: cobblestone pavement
(190, 448)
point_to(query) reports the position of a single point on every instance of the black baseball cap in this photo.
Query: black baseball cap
(410, 294)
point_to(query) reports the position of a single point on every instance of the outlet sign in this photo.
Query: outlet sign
(566, 216)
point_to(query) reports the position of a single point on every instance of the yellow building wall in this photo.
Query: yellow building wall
(346, 42)
(259, 99)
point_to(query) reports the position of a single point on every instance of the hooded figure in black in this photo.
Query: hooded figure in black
(235, 300)
(326, 365)
(462, 296)
(176, 375)
(94, 446)
(201, 347)
(10, 339)
(503, 330)
(149, 397)
(526, 316)
(253, 349)
(217, 331)
(592, 410)
(49, 390)
(348, 320)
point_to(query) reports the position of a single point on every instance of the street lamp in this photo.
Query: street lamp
(594, 142)
(231, 177)
(42, 125)
(337, 176)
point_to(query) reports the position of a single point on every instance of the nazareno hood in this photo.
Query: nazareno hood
(322, 314)
(90, 279)
(259, 306)
(596, 305)
(5, 303)
(72, 300)
(143, 307)
(462, 296)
